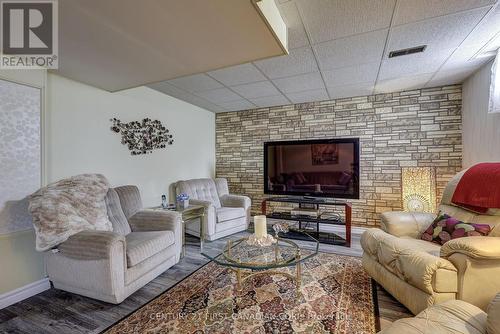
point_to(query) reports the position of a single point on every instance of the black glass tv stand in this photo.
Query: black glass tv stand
(321, 236)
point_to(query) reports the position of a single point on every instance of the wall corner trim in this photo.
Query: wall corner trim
(19, 294)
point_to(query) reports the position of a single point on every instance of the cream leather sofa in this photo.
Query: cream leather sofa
(420, 273)
(453, 316)
(110, 266)
(225, 214)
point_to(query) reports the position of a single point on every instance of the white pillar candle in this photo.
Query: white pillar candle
(260, 226)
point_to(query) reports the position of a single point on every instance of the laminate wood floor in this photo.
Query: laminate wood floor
(56, 311)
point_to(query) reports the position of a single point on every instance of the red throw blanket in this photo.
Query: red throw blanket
(479, 188)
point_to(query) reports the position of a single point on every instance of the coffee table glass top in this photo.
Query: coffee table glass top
(239, 253)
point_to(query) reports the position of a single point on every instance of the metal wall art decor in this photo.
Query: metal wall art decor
(142, 137)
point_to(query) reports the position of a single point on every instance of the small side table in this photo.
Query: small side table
(188, 214)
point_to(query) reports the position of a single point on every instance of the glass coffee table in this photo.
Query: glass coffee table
(248, 260)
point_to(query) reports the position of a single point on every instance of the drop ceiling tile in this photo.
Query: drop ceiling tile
(411, 10)
(169, 89)
(256, 89)
(237, 105)
(166, 88)
(308, 96)
(195, 83)
(297, 36)
(326, 20)
(300, 83)
(359, 89)
(299, 61)
(486, 30)
(403, 83)
(202, 103)
(464, 57)
(443, 78)
(269, 101)
(219, 95)
(350, 51)
(351, 75)
(409, 65)
(438, 33)
(237, 75)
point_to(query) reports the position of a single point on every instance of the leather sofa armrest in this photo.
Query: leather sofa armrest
(482, 248)
(406, 224)
(427, 272)
(235, 201)
(91, 245)
(155, 220)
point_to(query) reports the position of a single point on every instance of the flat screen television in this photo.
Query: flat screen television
(317, 168)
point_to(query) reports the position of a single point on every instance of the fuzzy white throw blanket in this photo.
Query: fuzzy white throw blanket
(69, 206)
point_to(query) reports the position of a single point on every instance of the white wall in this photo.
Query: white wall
(79, 139)
(20, 263)
(481, 131)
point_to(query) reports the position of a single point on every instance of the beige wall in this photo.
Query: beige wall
(78, 139)
(481, 130)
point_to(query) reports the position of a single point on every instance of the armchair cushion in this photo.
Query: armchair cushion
(115, 213)
(200, 189)
(409, 224)
(130, 199)
(91, 245)
(227, 213)
(474, 247)
(143, 245)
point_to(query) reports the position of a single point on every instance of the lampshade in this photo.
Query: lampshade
(419, 189)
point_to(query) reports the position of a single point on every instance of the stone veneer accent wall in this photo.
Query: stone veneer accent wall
(410, 128)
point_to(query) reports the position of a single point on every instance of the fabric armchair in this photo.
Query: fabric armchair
(225, 213)
(110, 266)
(419, 273)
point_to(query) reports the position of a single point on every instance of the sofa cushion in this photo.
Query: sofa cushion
(142, 245)
(227, 213)
(115, 213)
(445, 228)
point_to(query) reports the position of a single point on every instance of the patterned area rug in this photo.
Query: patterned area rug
(336, 297)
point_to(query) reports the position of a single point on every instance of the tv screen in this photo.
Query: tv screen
(319, 168)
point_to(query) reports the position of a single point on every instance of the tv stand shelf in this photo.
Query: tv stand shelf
(330, 238)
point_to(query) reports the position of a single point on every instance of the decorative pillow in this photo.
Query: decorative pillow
(445, 228)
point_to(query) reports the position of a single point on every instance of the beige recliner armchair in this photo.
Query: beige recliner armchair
(110, 266)
(225, 214)
(419, 273)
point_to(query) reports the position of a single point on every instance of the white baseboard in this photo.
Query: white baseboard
(24, 292)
